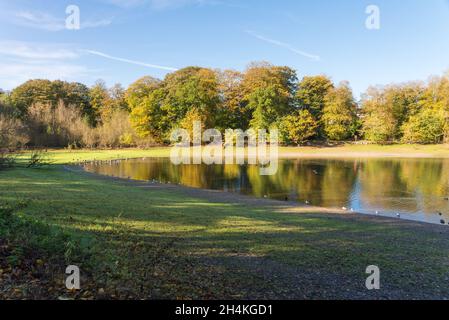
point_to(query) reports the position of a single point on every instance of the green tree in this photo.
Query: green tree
(312, 92)
(339, 113)
(265, 105)
(139, 90)
(298, 127)
(118, 101)
(231, 113)
(50, 93)
(385, 109)
(191, 88)
(32, 92)
(426, 127)
(146, 118)
(268, 93)
(100, 101)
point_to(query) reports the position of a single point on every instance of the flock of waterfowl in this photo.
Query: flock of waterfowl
(95, 162)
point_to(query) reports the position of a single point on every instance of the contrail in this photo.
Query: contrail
(284, 45)
(154, 66)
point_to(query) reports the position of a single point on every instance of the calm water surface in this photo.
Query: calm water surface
(415, 189)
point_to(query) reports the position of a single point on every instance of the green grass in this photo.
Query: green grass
(64, 156)
(349, 150)
(158, 243)
(413, 150)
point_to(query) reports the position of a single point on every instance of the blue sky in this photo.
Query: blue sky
(122, 40)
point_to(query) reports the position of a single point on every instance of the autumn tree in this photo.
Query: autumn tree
(269, 93)
(146, 117)
(425, 127)
(191, 88)
(298, 127)
(118, 101)
(45, 92)
(139, 90)
(100, 101)
(231, 113)
(339, 113)
(265, 105)
(312, 92)
(386, 109)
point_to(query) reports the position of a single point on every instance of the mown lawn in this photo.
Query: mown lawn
(63, 156)
(149, 242)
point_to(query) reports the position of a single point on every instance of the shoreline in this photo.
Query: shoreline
(65, 156)
(285, 207)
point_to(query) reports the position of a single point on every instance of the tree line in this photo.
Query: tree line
(264, 96)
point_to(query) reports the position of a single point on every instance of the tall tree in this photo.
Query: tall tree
(139, 90)
(386, 109)
(265, 104)
(298, 127)
(339, 113)
(50, 93)
(118, 101)
(232, 113)
(268, 92)
(312, 92)
(426, 127)
(191, 88)
(100, 101)
(33, 92)
(146, 117)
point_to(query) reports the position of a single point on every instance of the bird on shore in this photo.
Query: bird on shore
(398, 215)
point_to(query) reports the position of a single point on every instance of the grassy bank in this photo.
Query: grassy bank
(136, 241)
(346, 150)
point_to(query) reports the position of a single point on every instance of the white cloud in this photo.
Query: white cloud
(107, 56)
(162, 4)
(21, 61)
(127, 3)
(25, 50)
(40, 20)
(46, 21)
(14, 74)
(284, 45)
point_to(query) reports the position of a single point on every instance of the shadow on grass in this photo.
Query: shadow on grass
(156, 243)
